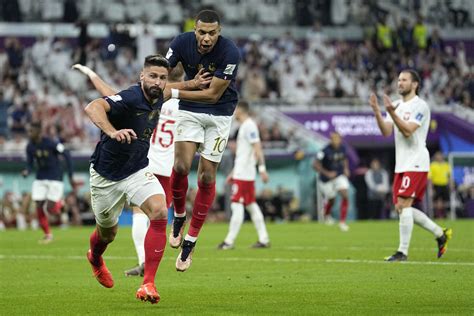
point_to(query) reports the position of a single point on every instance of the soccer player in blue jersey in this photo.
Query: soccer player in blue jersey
(119, 170)
(332, 165)
(203, 122)
(47, 189)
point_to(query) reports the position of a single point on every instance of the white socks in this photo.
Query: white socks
(259, 222)
(139, 229)
(236, 221)
(406, 227)
(412, 215)
(238, 218)
(424, 221)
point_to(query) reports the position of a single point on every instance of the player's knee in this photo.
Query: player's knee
(181, 168)
(157, 210)
(207, 177)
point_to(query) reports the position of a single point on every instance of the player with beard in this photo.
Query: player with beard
(119, 170)
(410, 119)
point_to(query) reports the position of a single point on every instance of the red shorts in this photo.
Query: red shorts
(243, 191)
(409, 185)
(166, 184)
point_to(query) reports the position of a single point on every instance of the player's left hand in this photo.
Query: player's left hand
(264, 176)
(202, 79)
(388, 103)
(84, 69)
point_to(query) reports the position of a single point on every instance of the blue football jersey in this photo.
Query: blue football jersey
(332, 159)
(222, 62)
(45, 155)
(129, 109)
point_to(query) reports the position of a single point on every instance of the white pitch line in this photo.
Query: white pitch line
(276, 260)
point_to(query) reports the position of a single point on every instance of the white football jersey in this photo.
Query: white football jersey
(161, 152)
(411, 153)
(245, 160)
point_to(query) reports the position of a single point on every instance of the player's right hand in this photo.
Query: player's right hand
(331, 174)
(203, 79)
(84, 69)
(264, 176)
(124, 135)
(374, 103)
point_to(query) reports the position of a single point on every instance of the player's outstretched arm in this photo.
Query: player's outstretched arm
(406, 128)
(385, 127)
(103, 88)
(97, 112)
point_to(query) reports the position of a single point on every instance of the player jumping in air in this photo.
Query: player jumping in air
(203, 123)
(410, 119)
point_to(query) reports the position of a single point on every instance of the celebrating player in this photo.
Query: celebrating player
(333, 168)
(410, 118)
(47, 190)
(248, 153)
(160, 156)
(203, 123)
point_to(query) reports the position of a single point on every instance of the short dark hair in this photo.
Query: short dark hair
(36, 125)
(414, 77)
(156, 60)
(208, 16)
(244, 106)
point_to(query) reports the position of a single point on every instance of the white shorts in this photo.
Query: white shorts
(210, 131)
(330, 188)
(108, 197)
(51, 190)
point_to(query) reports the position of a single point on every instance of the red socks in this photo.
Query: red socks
(155, 242)
(179, 188)
(97, 248)
(344, 206)
(328, 207)
(43, 220)
(204, 198)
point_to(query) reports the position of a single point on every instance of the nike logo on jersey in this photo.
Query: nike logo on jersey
(139, 113)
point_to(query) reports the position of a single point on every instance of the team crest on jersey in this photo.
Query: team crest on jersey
(406, 116)
(153, 115)
(212, 67)
(115, 98)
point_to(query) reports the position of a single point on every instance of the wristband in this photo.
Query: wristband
(175, 93)
(262, 168)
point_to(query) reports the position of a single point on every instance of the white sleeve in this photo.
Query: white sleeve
(252, 134)
(419, 113)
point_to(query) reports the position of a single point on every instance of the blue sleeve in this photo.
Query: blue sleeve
(61, 149)
(227, 69)
(122, 102)
(173, 55)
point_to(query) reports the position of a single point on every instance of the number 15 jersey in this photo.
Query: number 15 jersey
(161, 153)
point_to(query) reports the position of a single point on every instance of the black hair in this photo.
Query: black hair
(208, 16)
(414, 77)
(244, 105)
(156, 60)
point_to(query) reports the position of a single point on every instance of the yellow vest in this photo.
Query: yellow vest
(440, 173)
(420, 35)
(384, 35)
(188, 25)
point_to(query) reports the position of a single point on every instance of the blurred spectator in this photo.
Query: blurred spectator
(71, 13)
(383, 35)
(420, 33)
(14, 52)
(10, 10)
(441, 184)
(405, 36)
(376, 179)
(10, 212)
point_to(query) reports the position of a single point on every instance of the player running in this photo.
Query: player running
(203, 123)
(248, 153)
(160, 156)
(47, 190)
(410, 119)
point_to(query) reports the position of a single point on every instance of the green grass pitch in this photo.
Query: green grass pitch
(310, 269)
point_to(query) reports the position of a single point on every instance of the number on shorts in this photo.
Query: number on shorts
(219, 144)
(405, 182)
(167, 130)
